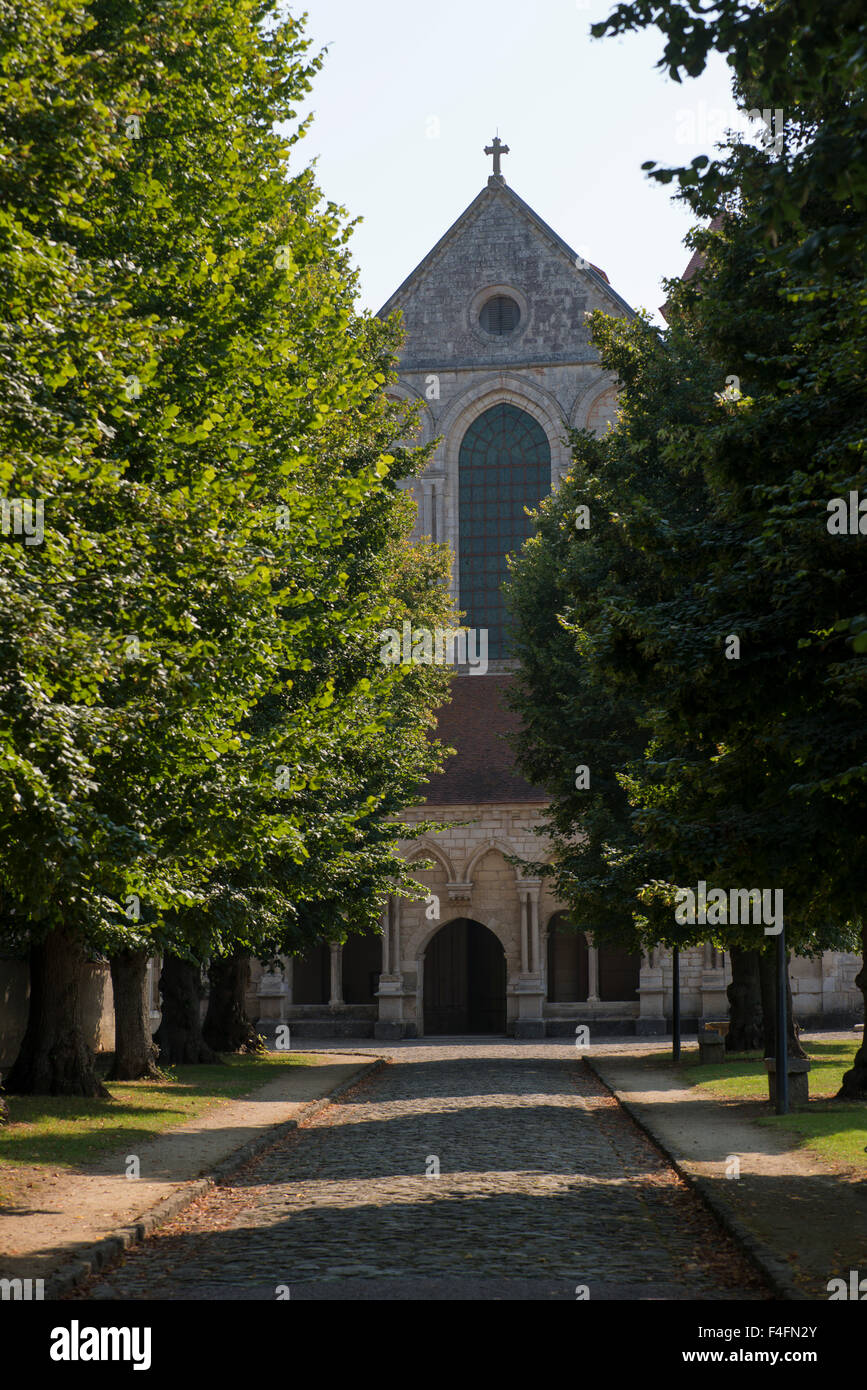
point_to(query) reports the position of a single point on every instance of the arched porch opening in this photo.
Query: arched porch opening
(464, 980)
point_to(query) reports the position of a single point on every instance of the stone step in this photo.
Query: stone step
(331, 1027)
(600, 1027)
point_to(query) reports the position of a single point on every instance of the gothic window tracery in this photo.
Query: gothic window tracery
(504, 467)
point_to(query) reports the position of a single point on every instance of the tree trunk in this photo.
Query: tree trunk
(135, 1054)
(768, 977)
(854, 1085)
(54, 1058)
(745, 1002)
(179, 1036)
(227, 1027)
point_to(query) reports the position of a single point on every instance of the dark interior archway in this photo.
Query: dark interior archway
(362, 962)
(464, 980)
(619, 973)
(568, 974)
(311, 977)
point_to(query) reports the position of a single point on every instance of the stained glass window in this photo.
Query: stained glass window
(504, 466)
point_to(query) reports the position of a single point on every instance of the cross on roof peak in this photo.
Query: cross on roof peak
(496, 149)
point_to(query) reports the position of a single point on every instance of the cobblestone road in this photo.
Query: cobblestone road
(545, 1187)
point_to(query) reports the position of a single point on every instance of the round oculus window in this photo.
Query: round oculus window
(500, 315)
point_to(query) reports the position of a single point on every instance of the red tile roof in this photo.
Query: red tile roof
(475, 723)
(696, 261)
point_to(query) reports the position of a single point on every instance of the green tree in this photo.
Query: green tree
(173, 756)
(781, 305)
(627, 528)
(65, 350)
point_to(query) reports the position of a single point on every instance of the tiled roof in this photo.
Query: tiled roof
(696, 262)
(475, 723)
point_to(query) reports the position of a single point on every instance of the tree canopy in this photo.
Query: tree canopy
(199, 748)
(707, 650)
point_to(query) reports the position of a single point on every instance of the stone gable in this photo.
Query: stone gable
(456, 370)
(500, 242)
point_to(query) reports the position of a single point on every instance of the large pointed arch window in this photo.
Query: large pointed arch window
(504, 466)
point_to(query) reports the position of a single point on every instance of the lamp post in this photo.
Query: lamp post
(675, 1004)
(782, 1049)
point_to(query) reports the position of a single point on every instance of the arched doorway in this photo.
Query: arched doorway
(464, 980)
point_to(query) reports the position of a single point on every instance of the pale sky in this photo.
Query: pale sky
(412, 91)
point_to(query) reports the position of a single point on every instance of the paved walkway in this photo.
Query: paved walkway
(807, 1224)
(72, 1211)
(475, 1169)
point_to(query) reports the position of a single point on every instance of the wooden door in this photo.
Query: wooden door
(464, 981)
(486, 981)
(445, 980)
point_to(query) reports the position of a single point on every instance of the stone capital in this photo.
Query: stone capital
(529, 887)
(459, 892)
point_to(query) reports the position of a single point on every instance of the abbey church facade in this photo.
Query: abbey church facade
(498, 356)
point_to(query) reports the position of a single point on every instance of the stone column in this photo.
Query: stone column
(395, 935)
(390, 994)
(439, 523)
(535, 953)
(427, 510)
(336, 976)
(528, 990)
(592, 970)
(525, 952)
(153, 994)
(385, 928)
(531, 954)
